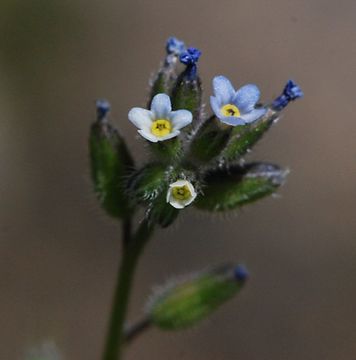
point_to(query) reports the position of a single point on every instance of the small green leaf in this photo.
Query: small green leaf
(183, 303)
(243, 138)
(227, 189)
(110, 163)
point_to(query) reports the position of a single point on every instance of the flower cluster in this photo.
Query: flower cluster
(195, 159)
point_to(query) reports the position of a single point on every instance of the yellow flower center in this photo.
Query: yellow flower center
(181, 192)
(230, 110)
(161, 127)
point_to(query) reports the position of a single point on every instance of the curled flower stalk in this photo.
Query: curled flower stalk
(194, 161)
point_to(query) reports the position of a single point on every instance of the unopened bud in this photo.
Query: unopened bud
(185, 302)
(110, 163)
(230, 188)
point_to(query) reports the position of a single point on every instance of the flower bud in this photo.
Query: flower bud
(228, 189)
(210, 140)
(110, 162)
(166, 76)
(146, 183)
(185, 302)
(291, 92)
(187, 92)
(243, 138)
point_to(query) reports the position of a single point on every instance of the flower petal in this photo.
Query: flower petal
(215, 105)
(180, 118)
(141, 118)
(161, 106)
(148, 135)
(246, 98)
(253, 115)
(223, 89)
(232, 120)
(171, 135)
(175, 203)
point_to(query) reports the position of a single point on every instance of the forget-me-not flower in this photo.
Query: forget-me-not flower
(181, 193)
(160, 123)
(235, 107)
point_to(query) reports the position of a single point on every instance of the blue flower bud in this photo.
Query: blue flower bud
(190, 56)
(102, 108)
(290, 93)
(241, 273)
(174, 46)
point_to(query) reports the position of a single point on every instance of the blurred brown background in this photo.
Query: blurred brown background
(59, 252)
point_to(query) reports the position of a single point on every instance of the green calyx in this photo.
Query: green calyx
(210, 140)
(146, 184)
(228, 189)
(243, 138)
(187, 94)
(110, 163)
(187, 302)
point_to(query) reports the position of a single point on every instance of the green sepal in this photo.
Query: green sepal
(166, 151)
(210, 140)
(184, 303)
(230, 188)
(243, 138)
(161, 212)
(187, 94)
(164, 79)
(110, 162)
(147, 183)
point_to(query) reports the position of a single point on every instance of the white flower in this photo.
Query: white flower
(160, 123)
(181, 193)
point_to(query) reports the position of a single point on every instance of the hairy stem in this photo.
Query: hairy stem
(133, 247)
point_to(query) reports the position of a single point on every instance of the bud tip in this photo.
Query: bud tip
(102, 108)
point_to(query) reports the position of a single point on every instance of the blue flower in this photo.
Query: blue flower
(160, 123)
(174, 46)
(290, 93)
(235, 107)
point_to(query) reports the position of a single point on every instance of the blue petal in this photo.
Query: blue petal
(253, 115)
(246, 98)
(215, 105)
(232, 120)
(223, 89)
(161, 106)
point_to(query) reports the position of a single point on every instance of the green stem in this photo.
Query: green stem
(133, 247)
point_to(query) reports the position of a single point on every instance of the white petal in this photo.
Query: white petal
(161, 106)
(141, 118)
(148, 135)
(176, 204)
(171, 135)
(179, 183)
(180, 118)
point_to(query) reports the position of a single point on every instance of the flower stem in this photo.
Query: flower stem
(133, 247)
